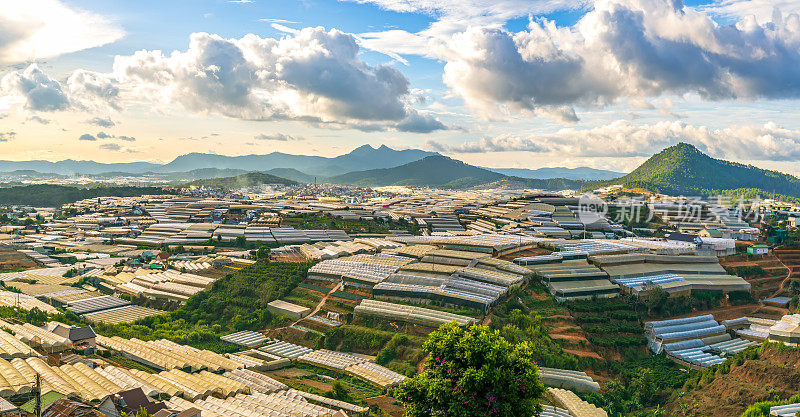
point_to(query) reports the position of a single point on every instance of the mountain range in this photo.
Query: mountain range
(683, 169)
(362, 158)
(301, 168)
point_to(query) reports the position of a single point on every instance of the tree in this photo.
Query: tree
(473, 372)
(794, 287)
(263, 253)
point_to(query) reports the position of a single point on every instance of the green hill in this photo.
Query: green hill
(684, 170)
(443, 172)
(435, 171)
(250, 179)
(48, 195)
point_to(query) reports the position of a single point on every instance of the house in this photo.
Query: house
(758, 249)
(83, 338)
(128, 402)
(67, 408)
(682, 237)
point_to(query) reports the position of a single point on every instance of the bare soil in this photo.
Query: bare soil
(773, 373)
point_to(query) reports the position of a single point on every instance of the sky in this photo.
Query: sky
(495, 83)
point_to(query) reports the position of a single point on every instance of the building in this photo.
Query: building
(68, 408)
(758, 250)
(128, 403)
(83, 338)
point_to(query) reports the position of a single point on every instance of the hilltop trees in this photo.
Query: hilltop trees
(473, 372)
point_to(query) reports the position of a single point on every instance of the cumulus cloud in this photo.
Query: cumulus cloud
(102, 122)
(38, 119)
(37, 29)
(6, 136)
(104, 135)
(110, 147)
(314, 76)
(40, 92)
(90, 90)
(87, 136)
(280, 137)
(624, 139)
(634, 49)
(420, 123)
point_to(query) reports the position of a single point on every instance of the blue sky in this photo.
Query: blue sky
(508, 83)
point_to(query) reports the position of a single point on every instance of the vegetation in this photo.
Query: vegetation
(250, 179)
(46, 195)
(684, 170)
(761, 409)
(473, 372)
(326, 221)
(235, 302)
(443, 172)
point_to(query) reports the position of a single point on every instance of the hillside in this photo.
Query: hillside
(684, 170)
(770, 373)
(250, 179)
(435, 171)
(443, 172)
(46, 195)
(579, 173)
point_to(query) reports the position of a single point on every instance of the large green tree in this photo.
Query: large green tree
(473, 372)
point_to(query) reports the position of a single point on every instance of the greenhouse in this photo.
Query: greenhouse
(375, 374)
(574, 380)
(787, 330)
(285, 349)
(670, 331)
(576, 406)
(410, 314)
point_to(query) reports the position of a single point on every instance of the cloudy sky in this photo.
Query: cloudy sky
(500, 83)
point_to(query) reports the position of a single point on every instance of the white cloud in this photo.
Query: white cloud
(39, 92)
(280, 137)
(102, 122)
(314, 76)
(767, 142)
(37, 29)
(635, 49)
(284, 21)
(763, 10)
(6, 136)
(624, 48)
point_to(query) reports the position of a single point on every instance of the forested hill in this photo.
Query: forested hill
(250, 179)
(47, 195)
(683, 169)
(443, 172)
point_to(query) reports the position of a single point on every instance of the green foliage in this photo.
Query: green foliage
(47, 195)
(239, 301)
(761, 409)
(740, 298)
(473, 372)
(641, 383)
(356, 338)
(235, 302)
(684, 170)
(749, 271)
(250, 179)
(327, 221)
(528, 328)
